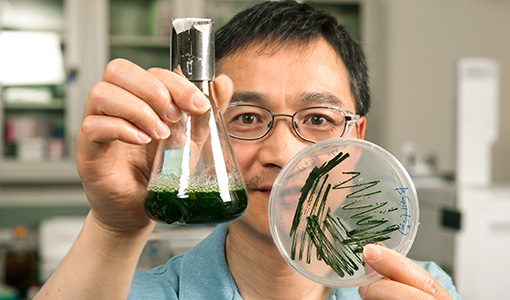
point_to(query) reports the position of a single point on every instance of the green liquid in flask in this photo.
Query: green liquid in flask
(195, 207)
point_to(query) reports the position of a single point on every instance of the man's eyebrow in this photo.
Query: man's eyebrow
(249, 97)
(314, 98)
(306, 99)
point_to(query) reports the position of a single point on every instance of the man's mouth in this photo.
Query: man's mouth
(264, 189)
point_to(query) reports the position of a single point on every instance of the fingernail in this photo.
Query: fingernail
(143, 137)
(162, 130)
(372, 252)
(200, 101)
(362, 291)
(173, 113)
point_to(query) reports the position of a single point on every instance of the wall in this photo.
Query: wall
(418, 46)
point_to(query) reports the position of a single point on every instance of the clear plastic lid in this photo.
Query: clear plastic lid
(335, 197)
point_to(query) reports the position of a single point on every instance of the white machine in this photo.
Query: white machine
(483, 242)
(477, 120)
(465, 225)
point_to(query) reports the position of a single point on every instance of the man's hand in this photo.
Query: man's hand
(125, 116)
(403, 279)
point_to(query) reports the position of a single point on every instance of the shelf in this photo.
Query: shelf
(53, 105)
(15, 171)
(139, 41)
(37, 197)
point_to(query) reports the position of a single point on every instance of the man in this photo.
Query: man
(280, 56)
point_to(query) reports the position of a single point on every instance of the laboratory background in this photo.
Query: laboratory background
(440, 76)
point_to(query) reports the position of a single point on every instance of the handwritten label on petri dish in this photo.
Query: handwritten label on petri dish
(318, 231)
(405, 218)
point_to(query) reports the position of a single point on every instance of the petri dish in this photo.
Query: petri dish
(333, 198)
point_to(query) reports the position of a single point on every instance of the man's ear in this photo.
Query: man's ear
(360, 127)
(223, 89)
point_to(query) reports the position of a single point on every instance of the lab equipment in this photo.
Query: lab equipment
(465, 222)
(195, 178)
(478, 82)
(332, 199)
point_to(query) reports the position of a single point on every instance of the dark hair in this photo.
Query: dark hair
(274, 23)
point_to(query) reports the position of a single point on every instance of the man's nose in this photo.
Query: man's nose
(281, 144)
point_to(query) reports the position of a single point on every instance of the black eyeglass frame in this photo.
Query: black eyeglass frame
(350, 119)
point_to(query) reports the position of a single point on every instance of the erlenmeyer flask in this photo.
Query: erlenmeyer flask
(195, 178)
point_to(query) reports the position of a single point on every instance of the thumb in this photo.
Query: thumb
(397, 267)
(223, 90)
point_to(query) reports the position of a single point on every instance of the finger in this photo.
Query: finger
(223, 89)
(395, 266)
(104, 129)
(183, 94)
(141, 83)
(388, 289)
(111, 100)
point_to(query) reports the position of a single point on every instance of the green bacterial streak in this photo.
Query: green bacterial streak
(310, 184)
(337, 246)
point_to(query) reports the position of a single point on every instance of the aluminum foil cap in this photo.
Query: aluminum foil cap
(192, 48)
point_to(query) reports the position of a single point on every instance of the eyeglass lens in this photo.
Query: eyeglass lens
(312, 124)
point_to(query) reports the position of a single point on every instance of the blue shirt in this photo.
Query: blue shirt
(202, 273)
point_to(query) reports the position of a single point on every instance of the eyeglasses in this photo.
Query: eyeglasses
(312, 124)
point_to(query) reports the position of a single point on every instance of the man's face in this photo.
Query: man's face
(282, 82)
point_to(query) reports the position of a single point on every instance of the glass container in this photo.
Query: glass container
(195, 178)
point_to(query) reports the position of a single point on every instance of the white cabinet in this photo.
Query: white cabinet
(40, 122)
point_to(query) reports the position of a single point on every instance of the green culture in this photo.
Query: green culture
(338, 246)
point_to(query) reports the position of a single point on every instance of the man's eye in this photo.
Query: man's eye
(248, 118)
(318, 120)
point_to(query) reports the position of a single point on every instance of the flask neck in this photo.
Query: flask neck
(204, 85)
(207, 88)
